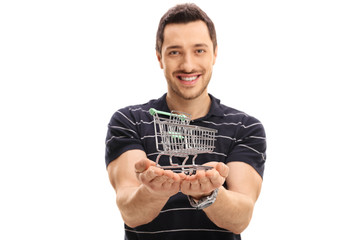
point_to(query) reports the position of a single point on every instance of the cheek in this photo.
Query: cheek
(206, 63)
(167, 71)
(209, 66)
(168, 66)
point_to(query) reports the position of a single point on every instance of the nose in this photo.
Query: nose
(187, 63)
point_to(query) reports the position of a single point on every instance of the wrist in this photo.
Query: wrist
(197, 197)
(151, 195)
(203, 202)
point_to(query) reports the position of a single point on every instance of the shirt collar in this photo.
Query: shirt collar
(162, 104)
(215, 107)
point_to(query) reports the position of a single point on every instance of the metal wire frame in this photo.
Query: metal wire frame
(180, 139)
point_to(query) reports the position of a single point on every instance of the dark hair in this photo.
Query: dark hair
(184, 13)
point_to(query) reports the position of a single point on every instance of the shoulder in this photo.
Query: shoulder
(135, 113)
(232, 115)
(223, 111)
(232, 123)
(139, 109)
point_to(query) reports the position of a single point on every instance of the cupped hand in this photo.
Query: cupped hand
(163, 183)
(203, 183)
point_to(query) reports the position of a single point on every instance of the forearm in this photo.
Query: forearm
(231, 210)
(138, 206)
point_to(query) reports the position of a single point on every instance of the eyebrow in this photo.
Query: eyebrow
(201, 45)
(196, 45)
(173, 47)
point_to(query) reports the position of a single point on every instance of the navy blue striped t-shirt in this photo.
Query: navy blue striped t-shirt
(239, 137)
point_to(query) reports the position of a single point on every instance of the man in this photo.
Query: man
(161, 204)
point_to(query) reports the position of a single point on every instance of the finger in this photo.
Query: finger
(195, 185)
(169, 176)
(169, 183)
(205, 184)
(201, 177)
(191, 177)
(142, 165)
(182, 176)
(151, 173)
(204, 180)
(185, 186)
(159, 180)
(211, 173)
(177, 178)
(216, 179)
(158, 171)
(222, 169)
(199, 174)
(169, 173)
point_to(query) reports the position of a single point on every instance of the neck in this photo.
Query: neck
(197, 107)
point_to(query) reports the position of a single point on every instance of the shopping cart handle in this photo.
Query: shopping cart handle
(153, 111)
(183, 117)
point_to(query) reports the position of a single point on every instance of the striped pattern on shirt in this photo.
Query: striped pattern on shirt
(240, 137)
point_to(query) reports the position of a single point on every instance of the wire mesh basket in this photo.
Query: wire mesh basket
(180, 139)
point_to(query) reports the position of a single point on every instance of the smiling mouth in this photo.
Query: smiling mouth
(188, 78)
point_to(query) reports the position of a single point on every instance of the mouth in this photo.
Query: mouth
(188, 79)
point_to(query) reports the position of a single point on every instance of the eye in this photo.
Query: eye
(199, 51)
(174, 53)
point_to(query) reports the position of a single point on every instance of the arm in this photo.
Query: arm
(233, 207)
(142, 189)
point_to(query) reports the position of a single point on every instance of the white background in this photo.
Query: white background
(67, 66)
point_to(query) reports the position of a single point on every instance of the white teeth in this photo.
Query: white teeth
(188, 78)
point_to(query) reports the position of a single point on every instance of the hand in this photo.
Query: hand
(203, 183)
(163, 183)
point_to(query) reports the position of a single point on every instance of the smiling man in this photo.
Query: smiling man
(187, 57)
(161, 204)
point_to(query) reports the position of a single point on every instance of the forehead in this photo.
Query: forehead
(184, 34)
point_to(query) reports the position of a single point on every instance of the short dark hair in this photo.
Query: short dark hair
(184, 13)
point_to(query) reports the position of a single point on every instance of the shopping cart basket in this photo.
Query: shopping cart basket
(180, 139)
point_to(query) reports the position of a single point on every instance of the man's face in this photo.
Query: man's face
(187, 58)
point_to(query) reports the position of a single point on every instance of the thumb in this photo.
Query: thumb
(143, 165)
(222, 169)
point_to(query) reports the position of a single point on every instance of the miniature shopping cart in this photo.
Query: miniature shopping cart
(180, 139)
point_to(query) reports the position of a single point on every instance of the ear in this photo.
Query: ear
(158, 56)
(215, 54)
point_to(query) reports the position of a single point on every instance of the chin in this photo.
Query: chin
(190, 96)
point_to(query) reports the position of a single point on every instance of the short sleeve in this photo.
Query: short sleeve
(250, 145)
(122, 135)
